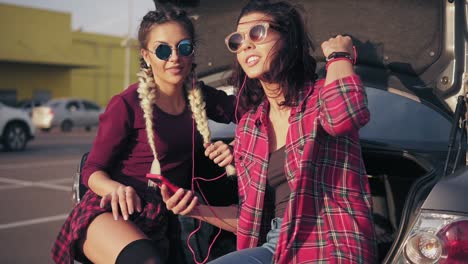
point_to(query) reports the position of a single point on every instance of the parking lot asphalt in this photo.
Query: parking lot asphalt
(35, 194)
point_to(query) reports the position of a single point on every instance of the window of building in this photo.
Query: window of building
(8, 97)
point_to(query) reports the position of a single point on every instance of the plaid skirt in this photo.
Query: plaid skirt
(153, 221)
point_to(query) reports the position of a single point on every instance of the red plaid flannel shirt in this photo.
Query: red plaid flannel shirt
(328, 218)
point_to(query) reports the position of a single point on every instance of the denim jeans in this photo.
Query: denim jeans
(199, 242)
(257, 255)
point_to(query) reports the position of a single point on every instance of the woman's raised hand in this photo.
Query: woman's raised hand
(337, 44)
(122, 199)
(181, 202)
(220, 153)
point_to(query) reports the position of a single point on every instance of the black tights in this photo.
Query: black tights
(140, 251)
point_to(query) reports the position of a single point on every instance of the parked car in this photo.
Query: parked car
(66, 113)
(16, 128)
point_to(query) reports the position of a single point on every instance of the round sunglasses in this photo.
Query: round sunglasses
(257, 33)
(184, 48)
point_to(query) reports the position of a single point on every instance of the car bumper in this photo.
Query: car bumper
(41, 124)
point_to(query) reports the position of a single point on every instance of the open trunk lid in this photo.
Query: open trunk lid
(412, 47)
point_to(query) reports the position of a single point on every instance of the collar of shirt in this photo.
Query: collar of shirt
(261, 113)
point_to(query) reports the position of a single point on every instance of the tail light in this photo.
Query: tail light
(436, 238)
(423, 248)
(454, 237)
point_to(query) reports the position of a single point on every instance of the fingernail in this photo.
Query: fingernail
(116, 218)
(125, 217)
(130, 211)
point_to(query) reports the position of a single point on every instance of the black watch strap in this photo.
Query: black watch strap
(339, 54)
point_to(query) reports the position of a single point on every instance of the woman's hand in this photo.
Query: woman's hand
(337, 69)
(123, 198)
(182, 202)
(220, 153)
(337, 44)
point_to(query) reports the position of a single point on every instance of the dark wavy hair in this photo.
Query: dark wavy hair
(164, 13)
(291, 65)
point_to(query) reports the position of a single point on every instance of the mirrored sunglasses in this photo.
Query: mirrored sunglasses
(184, 48)
(257, 33)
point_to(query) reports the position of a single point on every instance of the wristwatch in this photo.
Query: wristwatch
(339, 54)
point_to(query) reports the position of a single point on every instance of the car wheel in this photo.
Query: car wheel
(88, 128)
(67, 126)
(16, 137)
(45, 129)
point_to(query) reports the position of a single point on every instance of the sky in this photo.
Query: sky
(110, 17)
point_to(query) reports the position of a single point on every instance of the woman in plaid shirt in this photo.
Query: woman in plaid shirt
(303, 193)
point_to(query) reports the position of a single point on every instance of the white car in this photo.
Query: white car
(16, 128)
(66, 113)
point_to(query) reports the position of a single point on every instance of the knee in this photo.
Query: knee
(139, 251)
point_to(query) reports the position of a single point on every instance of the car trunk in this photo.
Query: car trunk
(391, 175)
(404, 45)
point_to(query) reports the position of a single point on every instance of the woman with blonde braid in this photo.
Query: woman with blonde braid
(146, 128)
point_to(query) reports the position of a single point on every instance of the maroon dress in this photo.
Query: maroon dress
(121, 149)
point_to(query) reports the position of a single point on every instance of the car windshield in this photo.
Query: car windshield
(53, 104)
(91, 106)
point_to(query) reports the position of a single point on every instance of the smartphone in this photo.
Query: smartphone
(159, 180)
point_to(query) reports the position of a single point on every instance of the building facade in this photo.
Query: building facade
(42, 58)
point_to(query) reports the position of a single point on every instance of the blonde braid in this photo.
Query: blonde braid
(198, 107)
(147, 94)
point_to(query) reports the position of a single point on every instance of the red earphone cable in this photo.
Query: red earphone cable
(204, 198)
(238, 99)
(207, 180)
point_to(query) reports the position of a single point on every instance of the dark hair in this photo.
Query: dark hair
(291, 66)
(164, 13)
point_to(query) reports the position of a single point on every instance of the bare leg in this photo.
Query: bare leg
(106, 238)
